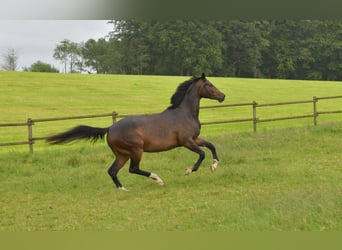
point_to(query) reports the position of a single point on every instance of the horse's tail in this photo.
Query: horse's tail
(77, 133)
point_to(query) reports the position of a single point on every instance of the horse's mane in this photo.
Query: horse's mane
(178, 96)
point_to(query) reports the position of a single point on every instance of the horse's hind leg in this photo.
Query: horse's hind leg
(114, 169)
(211, 147)
(134, 169)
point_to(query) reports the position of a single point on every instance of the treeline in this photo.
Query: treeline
(307, 49)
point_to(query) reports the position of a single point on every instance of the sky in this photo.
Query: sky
(35, 40)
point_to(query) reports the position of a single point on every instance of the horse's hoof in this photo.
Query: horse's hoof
(157, 179)
(214, 166)
(123, 189)
(188, 171)
(160, 183)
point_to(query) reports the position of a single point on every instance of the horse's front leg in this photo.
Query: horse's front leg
(195, 148)
(203, 143)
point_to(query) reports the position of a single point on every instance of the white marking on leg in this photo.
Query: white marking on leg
(123, 189)
(155, 177)
(214, 165)
(188, 171)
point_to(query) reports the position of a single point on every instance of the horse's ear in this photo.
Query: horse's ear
(203, 76)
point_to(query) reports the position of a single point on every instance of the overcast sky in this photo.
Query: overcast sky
(35, 40)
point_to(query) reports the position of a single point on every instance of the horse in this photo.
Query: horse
(176, 126)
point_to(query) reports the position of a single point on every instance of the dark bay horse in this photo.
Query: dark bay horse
(176, 126)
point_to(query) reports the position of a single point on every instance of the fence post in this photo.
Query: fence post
(30, 134)
(114, 115)
(315, 99)
(255, 119)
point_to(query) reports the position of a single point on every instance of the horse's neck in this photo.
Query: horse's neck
(190, 105)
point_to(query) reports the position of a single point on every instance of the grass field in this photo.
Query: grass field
(278, 180)
(38, 95)
(274, 180)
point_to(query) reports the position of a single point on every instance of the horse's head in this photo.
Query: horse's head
(208, 90)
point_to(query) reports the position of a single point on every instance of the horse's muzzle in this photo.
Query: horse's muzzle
(221, 98)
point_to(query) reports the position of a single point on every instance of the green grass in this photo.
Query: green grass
(43, 95)
(281, 179)
(270, 181)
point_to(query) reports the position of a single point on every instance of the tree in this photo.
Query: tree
(68, 53)
(181, 47)
(306, 49)
(321, 50)
(185, 47)
(292, 49)
(245, 43)
(41, 67)
(10, 60)
(133, 43)
(102, 56)
(279, 60)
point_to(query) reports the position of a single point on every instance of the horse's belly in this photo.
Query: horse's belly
(154, 144)
(158, 148)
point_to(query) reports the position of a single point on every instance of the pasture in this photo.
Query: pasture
(44, 95)
(273, 180)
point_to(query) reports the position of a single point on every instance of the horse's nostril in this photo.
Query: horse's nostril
(222, 98)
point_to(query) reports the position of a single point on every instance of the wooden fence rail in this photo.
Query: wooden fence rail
(30, 122)
(254, 119)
